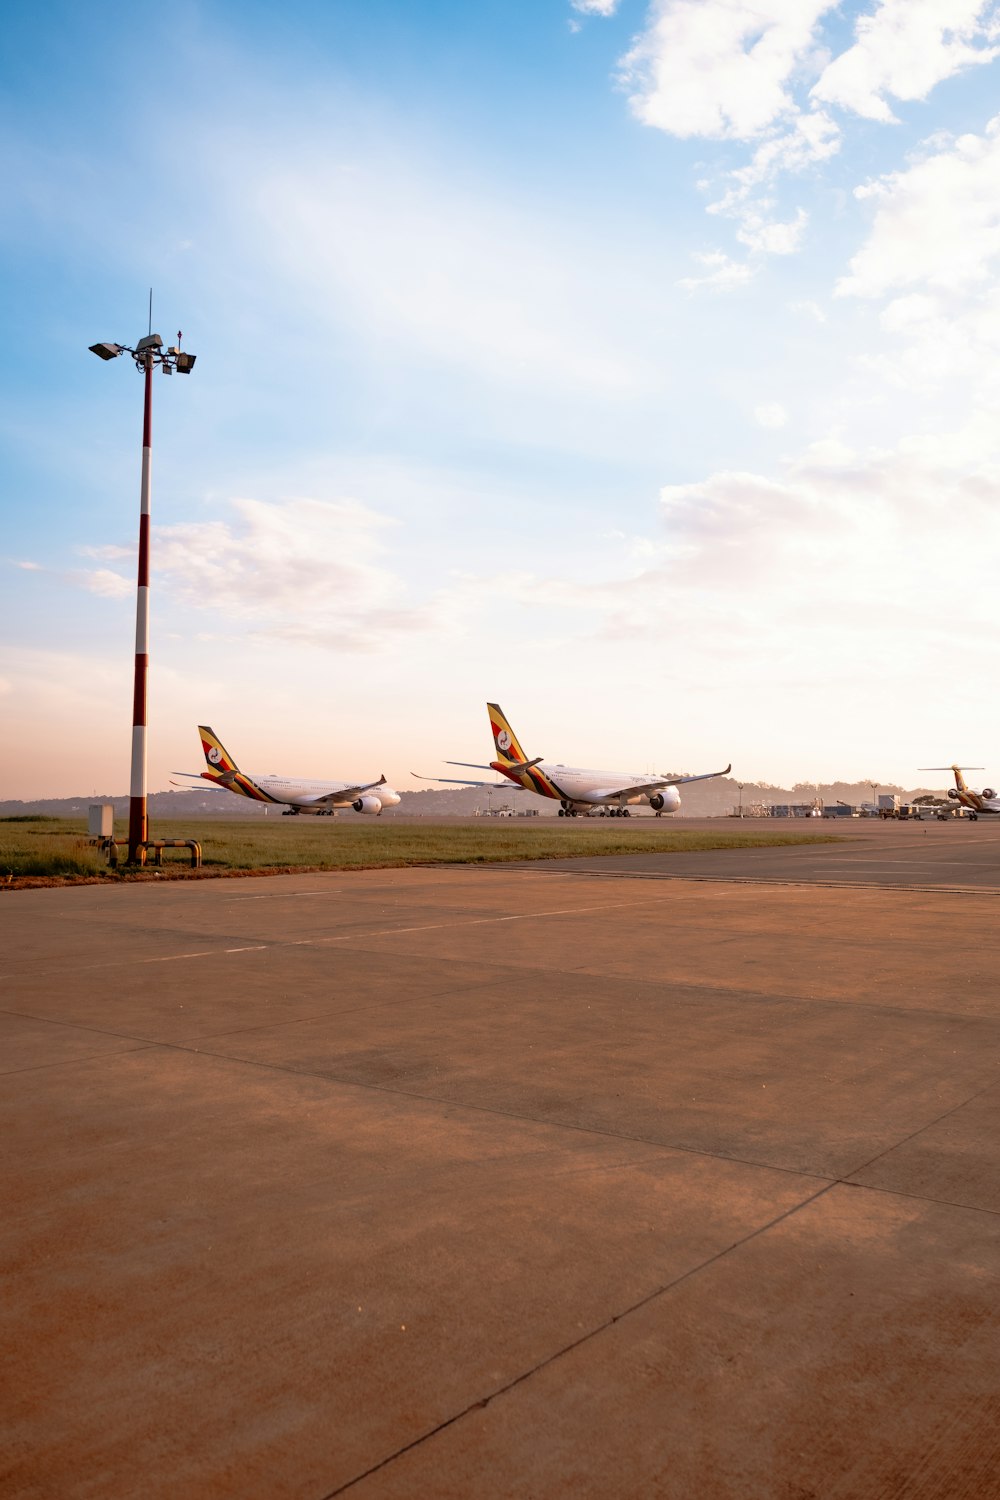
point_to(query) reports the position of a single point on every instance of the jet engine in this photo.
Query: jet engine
(953, 793)
(669, 799)
(367, 805)
(988, 793)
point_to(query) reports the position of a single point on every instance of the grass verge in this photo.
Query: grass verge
(59, 851)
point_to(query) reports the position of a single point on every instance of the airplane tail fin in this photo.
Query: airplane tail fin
(216, 754)
(957, 771)
(509, 751)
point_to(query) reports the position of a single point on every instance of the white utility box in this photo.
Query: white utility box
(101, 823)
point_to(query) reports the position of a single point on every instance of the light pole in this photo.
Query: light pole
(740, 785)
(147, 353)
(874, 786)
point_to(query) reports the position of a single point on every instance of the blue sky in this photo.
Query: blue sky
(631, 363)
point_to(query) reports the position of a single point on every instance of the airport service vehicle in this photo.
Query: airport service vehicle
(319, 797)
(987, 801)
(606, 793)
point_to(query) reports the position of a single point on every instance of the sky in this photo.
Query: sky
(632, 363)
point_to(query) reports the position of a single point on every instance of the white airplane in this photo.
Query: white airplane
(985, 801)
(609, 793)
(320, 797)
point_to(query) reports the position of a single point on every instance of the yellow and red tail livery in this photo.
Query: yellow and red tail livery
(512, 762)
(223, 769)
(508, 749)
(216, 753)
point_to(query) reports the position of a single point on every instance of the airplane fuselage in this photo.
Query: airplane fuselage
(303, 796)
(976, 802)
(578, 789)
(986, 802)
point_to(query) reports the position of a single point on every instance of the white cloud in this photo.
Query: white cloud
(721, 272)
(28, 567)
(906, 47)
(810, 309)
(595, 7)
(771, 414)
(302, 570)
(788, 577)
(720, 69)
(105, 583)
(109, 553)
(769, 236)
(740, 70)
(937, 224)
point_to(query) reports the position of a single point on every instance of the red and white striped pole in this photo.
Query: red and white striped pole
(138, 826)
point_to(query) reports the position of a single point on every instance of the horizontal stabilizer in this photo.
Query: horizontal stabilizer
(505, 786)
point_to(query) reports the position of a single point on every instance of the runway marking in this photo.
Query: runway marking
(344, 937)
(522, 916)
(804, 884)
(276, 896)
(168, 958)
(854, 859)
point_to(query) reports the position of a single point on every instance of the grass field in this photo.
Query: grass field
(47, 848)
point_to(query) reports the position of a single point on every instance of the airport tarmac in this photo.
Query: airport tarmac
(505, 1182)
(927, 854)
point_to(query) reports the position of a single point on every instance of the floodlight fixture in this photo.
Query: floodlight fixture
(107, 351)
(184, 363)
(151, 341)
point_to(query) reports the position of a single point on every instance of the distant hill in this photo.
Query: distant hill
(705, 799)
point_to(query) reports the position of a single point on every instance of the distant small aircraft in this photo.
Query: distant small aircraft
(320, 797)
(611, 793)
(985, 801)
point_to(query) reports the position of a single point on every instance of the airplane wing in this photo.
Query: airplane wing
(654, 786)
(507, 786)
(345, 794)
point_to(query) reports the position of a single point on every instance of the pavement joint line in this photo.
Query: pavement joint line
(69, 1062)
(440, 1102)
(872, 1006)
(577, 1343)
(929, 1125)
(891, 1192)
(147, 1044)
(350, 1010)
(126, 1036)
(150, 1044)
